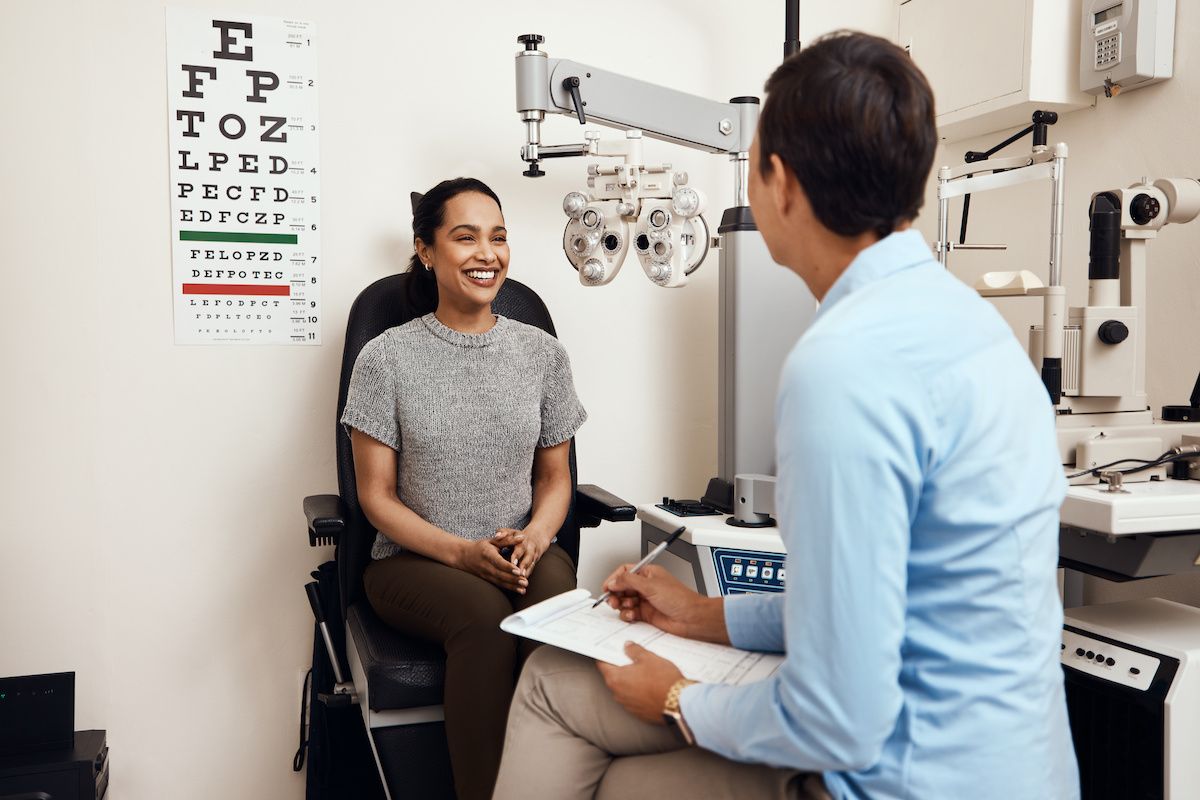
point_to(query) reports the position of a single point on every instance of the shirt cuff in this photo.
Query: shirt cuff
(377, 430)
(755, 621)
(702, 706)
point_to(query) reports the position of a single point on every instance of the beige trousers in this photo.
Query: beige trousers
(568, 739)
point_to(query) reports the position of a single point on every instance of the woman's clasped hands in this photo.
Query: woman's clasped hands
(528, 547)
(506, 559)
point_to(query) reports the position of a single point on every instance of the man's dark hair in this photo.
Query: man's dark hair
(852, 117)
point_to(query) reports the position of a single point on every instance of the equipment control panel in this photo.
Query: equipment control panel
(743, 571)
(1103, 659)
(688, 508)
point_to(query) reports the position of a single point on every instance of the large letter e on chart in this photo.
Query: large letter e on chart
(228, 40)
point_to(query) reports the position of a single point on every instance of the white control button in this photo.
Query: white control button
(782, 574)
(768, 573)
(735, 570)
(752, 571)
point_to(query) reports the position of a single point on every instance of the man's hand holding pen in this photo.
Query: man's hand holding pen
(653, 595)
(650, 595)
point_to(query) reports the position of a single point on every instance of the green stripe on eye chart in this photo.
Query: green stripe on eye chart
(255, 238)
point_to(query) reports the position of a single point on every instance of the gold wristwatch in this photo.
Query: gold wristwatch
(673, 716)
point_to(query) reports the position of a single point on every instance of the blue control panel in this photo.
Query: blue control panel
(742, 571)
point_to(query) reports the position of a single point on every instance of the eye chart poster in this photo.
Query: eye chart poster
(245, 195)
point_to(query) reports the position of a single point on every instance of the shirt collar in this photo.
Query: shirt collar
(893, 253)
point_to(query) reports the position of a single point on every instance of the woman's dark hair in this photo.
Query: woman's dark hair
(429, 211)
(853, 117)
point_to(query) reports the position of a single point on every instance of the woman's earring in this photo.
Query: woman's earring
(428, 268)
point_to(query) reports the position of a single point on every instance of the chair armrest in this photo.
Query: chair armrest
(593, 504)
(326, 518)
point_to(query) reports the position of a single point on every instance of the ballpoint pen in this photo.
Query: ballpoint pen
(653, 554)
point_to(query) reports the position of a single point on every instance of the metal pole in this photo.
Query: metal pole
(1054, 300)
(741, 178)
(1058, 183)
(791, 28)
(943, 243)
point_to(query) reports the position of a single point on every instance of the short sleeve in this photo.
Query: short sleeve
(562, 413)
(371, 398)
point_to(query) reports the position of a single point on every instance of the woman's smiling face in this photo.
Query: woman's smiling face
(469, 252)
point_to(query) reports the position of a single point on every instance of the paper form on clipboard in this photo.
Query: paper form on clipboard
(569, 621)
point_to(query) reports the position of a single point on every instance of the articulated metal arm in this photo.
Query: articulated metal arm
(557, 86)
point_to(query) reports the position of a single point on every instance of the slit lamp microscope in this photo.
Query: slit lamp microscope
(1133, 507)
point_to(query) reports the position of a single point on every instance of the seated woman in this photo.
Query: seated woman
(460, 421)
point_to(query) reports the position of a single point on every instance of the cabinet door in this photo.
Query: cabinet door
(972, 51)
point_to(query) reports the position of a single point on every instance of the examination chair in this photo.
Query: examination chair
(397, 679)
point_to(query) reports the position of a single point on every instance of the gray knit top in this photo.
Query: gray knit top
(464, 412)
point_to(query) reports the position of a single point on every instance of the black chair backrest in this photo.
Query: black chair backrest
(382, 305)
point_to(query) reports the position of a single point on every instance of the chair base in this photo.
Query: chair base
(414, 761)
(409, 745)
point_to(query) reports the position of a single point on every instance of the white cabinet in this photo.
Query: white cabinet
(992, 63)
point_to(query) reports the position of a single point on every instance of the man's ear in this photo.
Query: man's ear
(783, 184)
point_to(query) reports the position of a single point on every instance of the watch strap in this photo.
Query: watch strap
(672, 703)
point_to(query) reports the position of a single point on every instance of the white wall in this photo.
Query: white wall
(152, 538)
(1148, 132)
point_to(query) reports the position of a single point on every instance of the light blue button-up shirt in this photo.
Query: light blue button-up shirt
(918, 493)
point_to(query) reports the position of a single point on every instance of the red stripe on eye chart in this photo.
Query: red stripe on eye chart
(237, 289)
